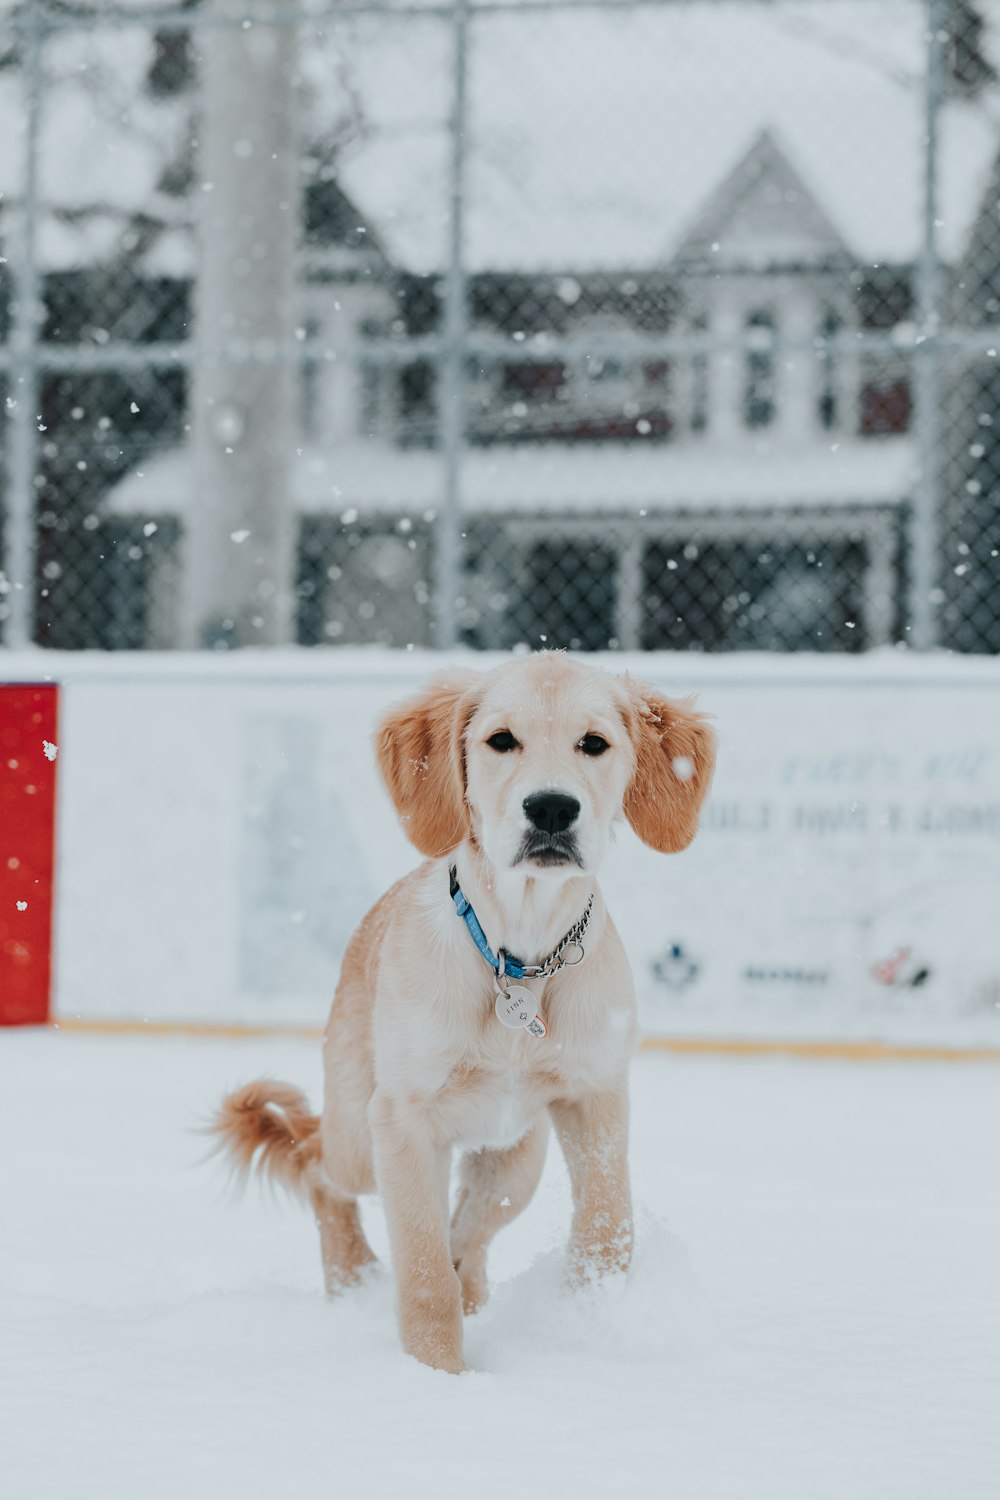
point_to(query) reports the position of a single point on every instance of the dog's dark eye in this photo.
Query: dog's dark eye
(502, 741)
(593, 744)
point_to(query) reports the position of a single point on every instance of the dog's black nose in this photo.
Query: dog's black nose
(551, 812)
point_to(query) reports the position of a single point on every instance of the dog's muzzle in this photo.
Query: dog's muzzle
(549, 849)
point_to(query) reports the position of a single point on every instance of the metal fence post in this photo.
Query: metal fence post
(925, 516)
(451, 369)
(19, 513)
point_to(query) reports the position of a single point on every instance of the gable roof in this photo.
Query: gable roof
(761, 213)
(597, 137)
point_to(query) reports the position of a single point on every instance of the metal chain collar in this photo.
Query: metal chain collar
(553, 962)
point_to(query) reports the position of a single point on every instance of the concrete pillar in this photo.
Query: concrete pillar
(241, 536)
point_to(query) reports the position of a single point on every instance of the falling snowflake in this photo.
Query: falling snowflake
(51, 751)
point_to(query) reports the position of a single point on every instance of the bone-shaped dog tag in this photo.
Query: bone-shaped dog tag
(516, 1007)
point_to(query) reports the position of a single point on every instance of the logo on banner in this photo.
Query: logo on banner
(902, 970)
(676, 969)
(794, 974)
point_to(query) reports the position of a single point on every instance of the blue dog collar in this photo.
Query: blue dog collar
(504, 963)
(512, 966)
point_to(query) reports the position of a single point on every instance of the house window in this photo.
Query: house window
(417, 392)
(699, 380)
(758, 396)
(371, 381)
(172, 68)
(599, 367)
(885, 298)
(534, 382)
(752, 592)
(827, 406)
(885, 407)
(569, 594)
(310, 385)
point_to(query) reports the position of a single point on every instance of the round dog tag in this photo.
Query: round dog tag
(516, 1006)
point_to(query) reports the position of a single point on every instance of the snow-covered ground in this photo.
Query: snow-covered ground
(814, 1311)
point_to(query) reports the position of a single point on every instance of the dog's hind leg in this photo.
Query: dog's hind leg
(268, 1125)
(346, 1157)
(343, 1246)
(345, 1172)
(493, 1188)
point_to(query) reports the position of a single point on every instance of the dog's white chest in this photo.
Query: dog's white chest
(494, 1110)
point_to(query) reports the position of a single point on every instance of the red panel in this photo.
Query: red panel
(27, 843)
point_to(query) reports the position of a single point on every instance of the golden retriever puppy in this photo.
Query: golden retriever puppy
(488, 992)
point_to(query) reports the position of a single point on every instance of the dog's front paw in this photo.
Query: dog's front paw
(472, 1279)
(437, 1348)
(591, 1259)
(431, 1328)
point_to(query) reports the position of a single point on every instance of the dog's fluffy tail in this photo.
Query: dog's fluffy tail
(267, 1126)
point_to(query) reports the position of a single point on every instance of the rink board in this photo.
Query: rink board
(221, 829)
(28, 751)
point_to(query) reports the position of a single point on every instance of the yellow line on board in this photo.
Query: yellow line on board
(841, 1051)
(200, 1029)
(826, 1050)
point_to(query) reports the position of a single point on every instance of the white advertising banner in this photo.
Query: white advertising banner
(846, 879)
(222, 829)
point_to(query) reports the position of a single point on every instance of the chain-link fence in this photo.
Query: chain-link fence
(660, 324)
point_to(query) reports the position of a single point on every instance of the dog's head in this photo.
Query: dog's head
(534, 761)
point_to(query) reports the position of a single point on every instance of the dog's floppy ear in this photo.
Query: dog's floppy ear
(421, 755)
(674, 760)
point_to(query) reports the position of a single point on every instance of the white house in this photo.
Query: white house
(753, 190)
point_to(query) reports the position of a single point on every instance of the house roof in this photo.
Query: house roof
(542, 479)
(597, 139)
(762, 213)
